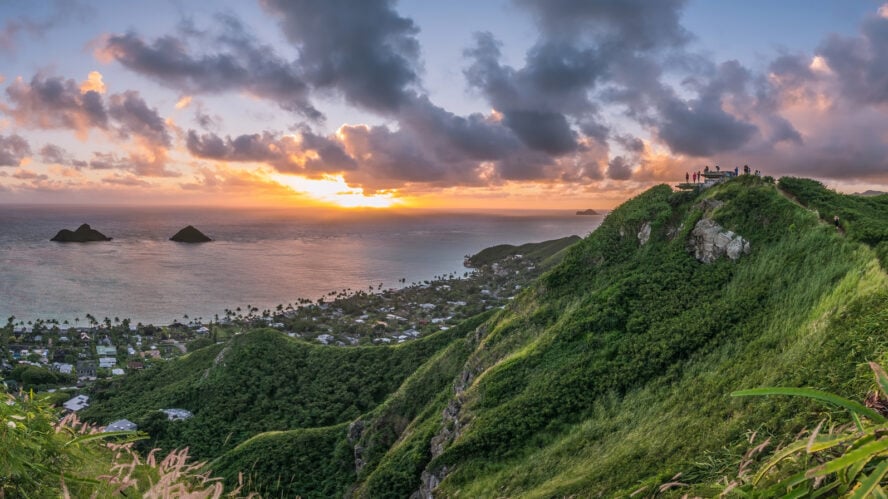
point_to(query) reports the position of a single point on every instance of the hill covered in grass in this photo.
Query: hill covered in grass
(610, 375)
(546, 253)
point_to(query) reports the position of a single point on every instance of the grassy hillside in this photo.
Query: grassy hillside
(629, 350)
(611, 374)
(546, 252)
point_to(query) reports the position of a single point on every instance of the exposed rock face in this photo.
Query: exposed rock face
(190, 235)
(451, 428)
(590, 211)
(709, 241)
(355, 432)
(83, 234)
(644, 235)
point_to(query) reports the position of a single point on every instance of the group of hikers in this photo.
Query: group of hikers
(697, 177)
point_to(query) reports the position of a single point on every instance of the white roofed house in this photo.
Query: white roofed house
(121, 425)
(76, 403)
(107, 362)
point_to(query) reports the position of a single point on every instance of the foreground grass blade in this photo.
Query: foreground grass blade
(881, 378)
(854, 407)
(864, 453)
(870, 483)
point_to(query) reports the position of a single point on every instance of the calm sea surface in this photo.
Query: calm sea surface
(259, 257)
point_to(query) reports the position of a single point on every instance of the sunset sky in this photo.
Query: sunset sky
(529, 104)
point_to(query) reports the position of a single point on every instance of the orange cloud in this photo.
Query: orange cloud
(93, 83)
(183, 102)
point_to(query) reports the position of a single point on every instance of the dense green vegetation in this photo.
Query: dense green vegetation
(542, 252)
(259, 381)
(863, 218)
(610, 375)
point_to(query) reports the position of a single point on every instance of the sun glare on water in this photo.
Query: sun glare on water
(334, 190)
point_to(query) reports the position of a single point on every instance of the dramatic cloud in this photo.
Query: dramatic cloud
(53, 102)
(302, 153)
(861, 63)
(365, 50)
(134, 117)
(242, 64)
(13, 149)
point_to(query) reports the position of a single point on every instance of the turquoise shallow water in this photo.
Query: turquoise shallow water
(259, 257)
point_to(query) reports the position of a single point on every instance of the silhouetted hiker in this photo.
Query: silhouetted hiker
(706, 169)
(746, 169)
(736, 171)
(687, 177)
(699, 176)
(694, 176)
(717, 168)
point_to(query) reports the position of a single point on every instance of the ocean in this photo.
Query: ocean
(259, 257)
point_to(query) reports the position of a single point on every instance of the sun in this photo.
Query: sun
(333, 189)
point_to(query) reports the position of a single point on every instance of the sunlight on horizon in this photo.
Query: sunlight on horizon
(334, 189)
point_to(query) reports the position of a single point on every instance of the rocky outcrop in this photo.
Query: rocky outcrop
(451, 427)
(710, 241)
(590, 211)
(644, 235)
(83, 234)
(355, 432)
(190, 235)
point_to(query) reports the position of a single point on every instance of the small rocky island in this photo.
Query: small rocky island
(590, 211)
(190, 235)
(83, 234)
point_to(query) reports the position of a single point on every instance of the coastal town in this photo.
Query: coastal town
(65, 358)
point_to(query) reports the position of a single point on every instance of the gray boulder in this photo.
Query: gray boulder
(710, 241)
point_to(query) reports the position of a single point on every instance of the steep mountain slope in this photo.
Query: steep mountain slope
(259, 381)
(612, 373)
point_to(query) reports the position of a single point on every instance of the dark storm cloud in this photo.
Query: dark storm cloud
(542, 131)
(53, 102)
(241, 63)
(13, 149)
(861, 63)
(365, 50)
(134, 117)
(701, 128)
(619, 168)
(534, 99)
(311, 153)
(636, 24)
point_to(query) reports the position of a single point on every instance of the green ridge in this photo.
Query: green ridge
(612, 374)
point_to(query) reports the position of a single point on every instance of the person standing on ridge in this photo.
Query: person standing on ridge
(736, 171)
(687, 177)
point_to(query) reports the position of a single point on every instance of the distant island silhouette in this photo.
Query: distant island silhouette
(83, 234)
(590, 211)
(190, 235)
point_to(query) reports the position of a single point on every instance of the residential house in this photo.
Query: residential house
(86, 369)
(76, 403)
(121, 425)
